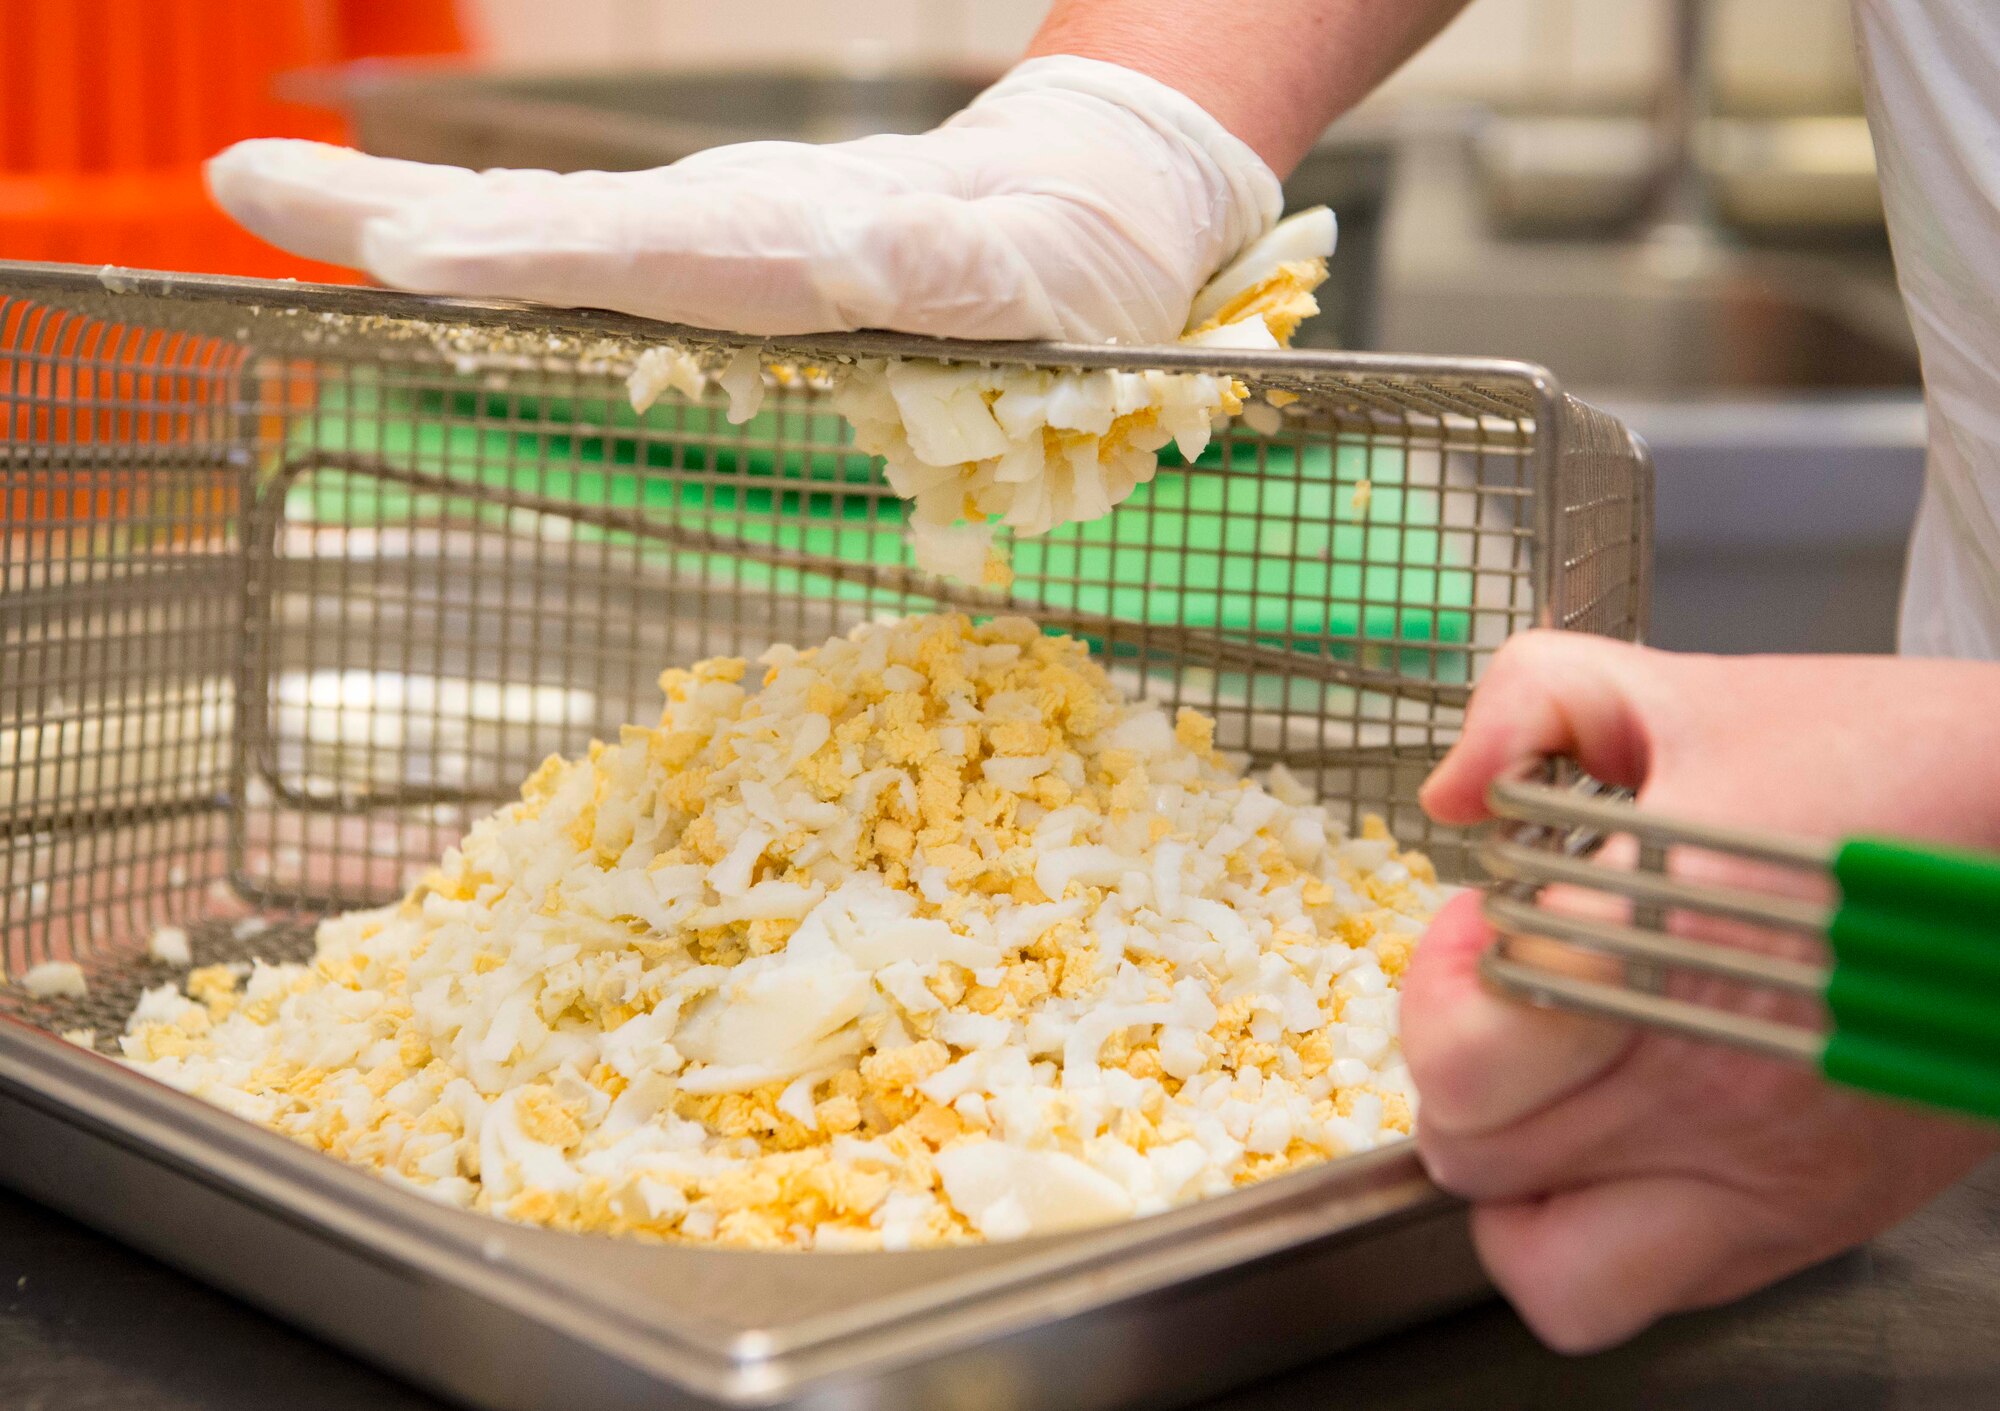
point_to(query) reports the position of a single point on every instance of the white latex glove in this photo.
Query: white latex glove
(1074, 199)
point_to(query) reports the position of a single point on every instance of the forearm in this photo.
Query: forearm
(1274, 72)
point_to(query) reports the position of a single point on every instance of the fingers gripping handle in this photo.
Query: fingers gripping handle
(1913, 991)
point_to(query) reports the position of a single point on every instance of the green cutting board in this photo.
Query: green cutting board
(1276, 550)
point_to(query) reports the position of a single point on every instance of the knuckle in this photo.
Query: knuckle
(1559, 1308)
(1444, 1163)
(1566, 1320)
(1453, 1094)
(1525, 651)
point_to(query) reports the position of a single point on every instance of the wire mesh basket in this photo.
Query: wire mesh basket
(299, 581)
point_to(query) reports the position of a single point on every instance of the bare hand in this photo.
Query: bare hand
(1618, 1176)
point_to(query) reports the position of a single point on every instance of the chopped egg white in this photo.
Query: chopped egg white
(930, 937)
(978, 447)
(660, 368)
(1030, 448)
(169, 945)
(55, 979)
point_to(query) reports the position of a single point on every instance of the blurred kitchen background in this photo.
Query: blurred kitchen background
(1669, 202)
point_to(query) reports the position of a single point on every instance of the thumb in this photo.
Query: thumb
(1481, 1061)
(1547, 695)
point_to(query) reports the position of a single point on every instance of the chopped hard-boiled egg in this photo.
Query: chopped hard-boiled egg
(927, 935)
(55, 979)
(170, 946)
(977, 447)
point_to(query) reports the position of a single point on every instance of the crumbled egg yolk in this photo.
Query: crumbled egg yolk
(933, 937)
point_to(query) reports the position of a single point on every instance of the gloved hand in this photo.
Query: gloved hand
(1074, 199)
(1619, 1176)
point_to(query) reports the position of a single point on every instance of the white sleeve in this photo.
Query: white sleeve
(1932, 74)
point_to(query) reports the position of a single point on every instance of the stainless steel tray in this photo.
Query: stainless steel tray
(219, 496)
(1164, 1310)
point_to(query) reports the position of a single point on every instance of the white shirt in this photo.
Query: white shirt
(1932, 73)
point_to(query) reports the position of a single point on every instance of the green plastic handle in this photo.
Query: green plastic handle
(1893, 1069)
(1915, 989)
(1942, 882)
(1911, 910)
(1943, 1016)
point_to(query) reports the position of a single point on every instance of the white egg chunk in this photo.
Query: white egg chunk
(657, 369)
(742, 379)
(55, 979)
(1031, 448)
(1007, 1192)
(1276, 273)
(771, 1018)
(923, 936)
(975, 446)
(169, 945)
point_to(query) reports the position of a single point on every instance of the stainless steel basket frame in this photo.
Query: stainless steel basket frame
(161, 672)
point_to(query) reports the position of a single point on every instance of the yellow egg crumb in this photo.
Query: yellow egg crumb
(213, 986)
(933, 911)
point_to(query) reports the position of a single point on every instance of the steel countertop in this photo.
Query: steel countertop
(1912, 1321)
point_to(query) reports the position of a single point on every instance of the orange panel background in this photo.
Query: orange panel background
(110, 106)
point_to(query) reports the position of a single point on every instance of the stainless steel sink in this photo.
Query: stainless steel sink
(1780, 522)
(1611, 319)
(1631, 318)
(1779, 391)
(1781, 400)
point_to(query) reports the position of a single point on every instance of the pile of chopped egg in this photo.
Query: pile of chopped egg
(1030, 448)
(933, 937)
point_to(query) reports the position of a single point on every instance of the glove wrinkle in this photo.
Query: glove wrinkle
(1073, 200)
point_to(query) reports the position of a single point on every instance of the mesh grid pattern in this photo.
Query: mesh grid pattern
(292, 592)
(120, 607)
